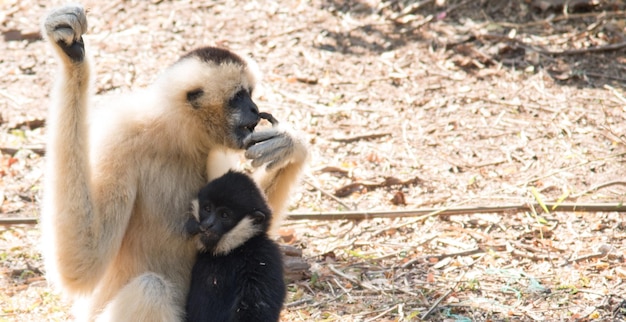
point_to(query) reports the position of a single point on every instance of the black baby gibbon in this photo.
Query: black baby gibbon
(238, 275)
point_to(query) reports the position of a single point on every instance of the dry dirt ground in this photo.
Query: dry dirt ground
(445, 105)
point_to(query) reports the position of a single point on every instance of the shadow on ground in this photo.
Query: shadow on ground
(582, 45)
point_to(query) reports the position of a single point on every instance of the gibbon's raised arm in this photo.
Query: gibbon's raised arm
(85, 211)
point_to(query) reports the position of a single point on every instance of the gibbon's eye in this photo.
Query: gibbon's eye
(224, 214)
(207, 208)
(192, 96)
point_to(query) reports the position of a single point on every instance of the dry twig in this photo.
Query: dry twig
(441, 298)
(352, 279)
(327, 194)
(596, 187)
(367, 136)
(426, 213)
(18, 221)
(542, 50)
(409, 10)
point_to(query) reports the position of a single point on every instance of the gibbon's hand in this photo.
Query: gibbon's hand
(65, 26)
(275, 147)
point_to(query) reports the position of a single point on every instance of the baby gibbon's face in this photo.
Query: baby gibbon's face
(228, 212)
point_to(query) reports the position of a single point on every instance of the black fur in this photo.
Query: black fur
(192, 97)
(216, 55)
(246, 284)
(247, 111)
(76, 50)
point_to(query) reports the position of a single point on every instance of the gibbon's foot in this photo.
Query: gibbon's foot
(65, 27)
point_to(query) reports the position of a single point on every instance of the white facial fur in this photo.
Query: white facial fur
(195, 209)
(244, 230)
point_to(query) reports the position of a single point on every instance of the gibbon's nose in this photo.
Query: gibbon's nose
(207, 224)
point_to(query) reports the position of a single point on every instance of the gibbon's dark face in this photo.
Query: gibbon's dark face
(230, 210)
(214, 223)
(220, 89)
(218, 222)
(245, 114)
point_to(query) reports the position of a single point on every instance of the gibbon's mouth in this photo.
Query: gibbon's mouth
(262, 116)
(247, 142)
(245, 131)
(250, 128)
(209, 240)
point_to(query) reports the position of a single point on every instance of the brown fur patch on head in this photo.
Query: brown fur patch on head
(223, 60)
(216, 55)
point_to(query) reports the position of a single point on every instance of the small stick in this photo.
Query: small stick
(599, 254)
(468, 252)
(434, 306)
(362, 137)
(381, 314)
(570, 167)
(296, 303)
(616, 93)
(18, 221)
(596, 187)
(438, 301)
(541, 50)
(410, 9)
(352, 279)
(40, 150)
(327, 194)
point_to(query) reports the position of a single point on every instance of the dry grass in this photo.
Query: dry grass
(474, 103)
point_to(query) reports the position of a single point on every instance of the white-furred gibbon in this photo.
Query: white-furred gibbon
(120, 177)
(238, 276)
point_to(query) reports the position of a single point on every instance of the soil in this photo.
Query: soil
(447, 104)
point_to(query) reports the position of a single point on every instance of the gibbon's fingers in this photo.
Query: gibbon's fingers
(269, 117)
(259, 136)
(270, 157)
(66, 23)
(275, 150)
(259, 143)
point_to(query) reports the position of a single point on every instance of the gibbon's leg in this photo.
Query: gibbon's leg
(84, 213)
(285, 155)
(147, 298)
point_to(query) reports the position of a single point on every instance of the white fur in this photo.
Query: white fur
(195, 209)
(244, 230)
(221, 161)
